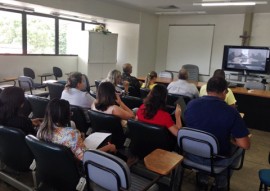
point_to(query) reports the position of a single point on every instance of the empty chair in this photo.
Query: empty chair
(55, 90)
(29, 72)
(112, 173)
(57, 72)
(56, 165)
(254, 85)
(147, 137)
(101, 122)
(165, 74)
(38, 105)
(193, 72)
(132, 102)
(205, 145)
(27, 84)
(264, 175)
(15, 154)
(80, 117)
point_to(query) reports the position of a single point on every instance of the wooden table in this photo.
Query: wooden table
(9, 79)
(45, 75)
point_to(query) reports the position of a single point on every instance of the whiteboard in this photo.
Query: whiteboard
(190, 44)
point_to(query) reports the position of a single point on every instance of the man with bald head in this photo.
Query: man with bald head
(182, 86)
(133, 81)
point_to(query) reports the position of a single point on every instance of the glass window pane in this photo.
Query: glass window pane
(40, 35)
(90, 27)
(10, 32)
(68, 33)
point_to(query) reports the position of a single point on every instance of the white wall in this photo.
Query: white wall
(261, 30)
(227, 31)
(12, 66)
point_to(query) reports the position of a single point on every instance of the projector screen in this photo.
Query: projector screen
(190, 44)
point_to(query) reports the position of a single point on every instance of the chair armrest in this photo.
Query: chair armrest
(269, 157)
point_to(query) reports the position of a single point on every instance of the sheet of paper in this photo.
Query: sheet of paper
(95, 139)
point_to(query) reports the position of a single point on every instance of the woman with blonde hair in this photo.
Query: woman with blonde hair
(150, 80)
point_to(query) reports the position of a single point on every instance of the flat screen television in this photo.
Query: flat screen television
(246, 59)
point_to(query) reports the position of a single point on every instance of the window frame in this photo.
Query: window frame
(56, 19)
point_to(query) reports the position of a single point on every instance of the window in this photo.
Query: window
(68, 33)
(11, 32)
(90, 27)
(40, 35)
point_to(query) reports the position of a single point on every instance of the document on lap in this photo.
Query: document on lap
(95, 139)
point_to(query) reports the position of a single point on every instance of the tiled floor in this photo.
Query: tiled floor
(244, 180)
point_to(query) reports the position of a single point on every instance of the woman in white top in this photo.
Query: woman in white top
(109, 102)
(73, 94)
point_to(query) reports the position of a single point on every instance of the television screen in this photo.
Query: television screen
(246, 59)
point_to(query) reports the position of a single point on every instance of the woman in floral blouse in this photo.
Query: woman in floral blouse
(55, 128)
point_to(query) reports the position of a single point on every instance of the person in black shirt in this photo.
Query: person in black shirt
(133, 81)
(11, 100)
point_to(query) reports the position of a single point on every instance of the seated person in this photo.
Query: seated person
(11, 100)
(211, 114)
(133, 81)
(182, 86)
(55, 128)
(73, 93)
(109, 102)
(114, 76)
(153, 110)
(230, 99)
(150, 80)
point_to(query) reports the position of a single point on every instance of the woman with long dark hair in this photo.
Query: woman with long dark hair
(55, 128)
(11, 100)
(153, 110)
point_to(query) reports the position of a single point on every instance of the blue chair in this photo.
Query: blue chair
(264, 175)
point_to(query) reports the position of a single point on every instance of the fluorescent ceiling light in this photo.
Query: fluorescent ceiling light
(179, 12)
(226, 3)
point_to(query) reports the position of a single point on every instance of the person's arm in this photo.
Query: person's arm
(108, 148)
(178, 123)
(123, 111)
(243, 142)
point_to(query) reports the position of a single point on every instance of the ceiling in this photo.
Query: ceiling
(186, 6)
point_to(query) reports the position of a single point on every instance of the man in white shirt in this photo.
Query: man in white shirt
(182, 86)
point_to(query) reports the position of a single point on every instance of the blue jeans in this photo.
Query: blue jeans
(221, 179)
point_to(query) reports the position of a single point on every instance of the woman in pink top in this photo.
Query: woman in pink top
(153, 110)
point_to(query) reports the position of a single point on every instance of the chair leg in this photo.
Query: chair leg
(261, 186)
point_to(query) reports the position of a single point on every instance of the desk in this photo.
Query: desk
(45, 75)
(162, 162)
(10, 79)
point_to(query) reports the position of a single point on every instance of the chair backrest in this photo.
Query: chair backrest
(193, 72)
(102, 122)
(132, 91)
(254, 85)
(132, 102)
(57, 72)
(80, 117)
(106, 170)
(144, 92)
(165, 74)
(29, 72)
(147, 137)
(38, 104)
(196, 142)
(55, 90)
(97, 82)
(26, 83)
(172, 99)
(86, 84)
(14, 151)
(56, 164)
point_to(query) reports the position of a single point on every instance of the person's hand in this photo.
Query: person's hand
(112, 148)
(126, 85)
(36, 122)
(118, 99)
(178, 111)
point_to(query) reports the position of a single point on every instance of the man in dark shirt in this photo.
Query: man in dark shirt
(133, 81)
(211, 114)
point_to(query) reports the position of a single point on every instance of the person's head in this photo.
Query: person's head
(150, 79)
(75, 80)
(11, 100)
(57, 114)
(183, 74)
(217, 86)
(219, 73)
(155, 100)
(127, 68)
(105, 96)
(114, 76)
